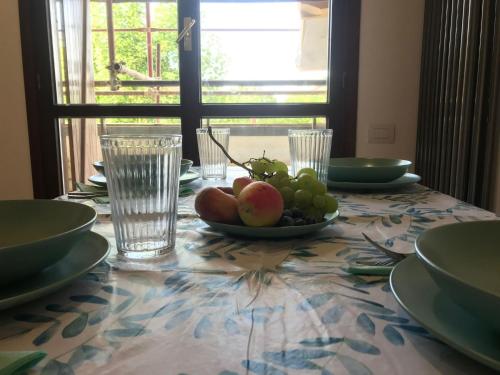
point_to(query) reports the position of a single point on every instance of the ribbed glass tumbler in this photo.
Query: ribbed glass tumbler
(142, 173)
(212, 160)
(310, 149)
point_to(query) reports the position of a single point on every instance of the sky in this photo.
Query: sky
(258, 54)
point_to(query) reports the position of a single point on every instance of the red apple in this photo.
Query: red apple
(239, 183)
(260, 204)
(226, 189)
(213, 204)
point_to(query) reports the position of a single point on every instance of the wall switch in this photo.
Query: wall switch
(382, 133)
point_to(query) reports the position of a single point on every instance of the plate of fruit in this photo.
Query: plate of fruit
(269, 203)
(272, 232)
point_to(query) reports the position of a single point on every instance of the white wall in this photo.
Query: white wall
(389, 74)
(15, 167)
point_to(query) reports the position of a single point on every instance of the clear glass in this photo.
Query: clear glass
(310, 149)
(80, 145)
(212, 160)
(252, 137)
(264, 51)
(142, 174)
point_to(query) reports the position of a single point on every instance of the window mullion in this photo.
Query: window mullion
(189, 72)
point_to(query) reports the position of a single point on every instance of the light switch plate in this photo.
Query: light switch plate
(382, 133)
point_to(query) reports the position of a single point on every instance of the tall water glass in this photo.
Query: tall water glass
(142, 173)
(310, 149)
(212, 160)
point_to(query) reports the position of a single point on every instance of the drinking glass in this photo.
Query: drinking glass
(212, 160)
(142, 174)
(310, 149)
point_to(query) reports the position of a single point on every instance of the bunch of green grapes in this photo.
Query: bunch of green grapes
(264, 168)
(306, 199)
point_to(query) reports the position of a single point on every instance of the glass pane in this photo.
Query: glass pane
(264, 52)
(80, 146)
(120, 54)
(257, 136)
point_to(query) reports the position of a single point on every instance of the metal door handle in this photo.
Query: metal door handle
(185, 34)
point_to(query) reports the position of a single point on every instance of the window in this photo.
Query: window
(256, 66)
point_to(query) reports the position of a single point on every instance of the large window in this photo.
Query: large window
(259, 67)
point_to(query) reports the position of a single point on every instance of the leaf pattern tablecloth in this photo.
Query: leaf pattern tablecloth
(227, 306)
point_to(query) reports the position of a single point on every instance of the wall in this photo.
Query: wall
(389, 74)
(15, 167)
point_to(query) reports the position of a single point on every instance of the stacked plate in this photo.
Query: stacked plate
(44, 244)
(369, 173)
(452, 287)
(186, 175)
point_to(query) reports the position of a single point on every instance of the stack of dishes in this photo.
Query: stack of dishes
(452, 287)
(369, 173)
(44, 244)
(100, 178)
(186, 175)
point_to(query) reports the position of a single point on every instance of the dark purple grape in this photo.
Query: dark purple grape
(286, 221)
(310, 220)
(296, 213)
(300, 221)
(288, 213)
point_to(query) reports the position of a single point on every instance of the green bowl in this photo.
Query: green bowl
(464, 261)
(272, 232)
(185, 165)
(99, 167)
(366, 169)
(35, 234)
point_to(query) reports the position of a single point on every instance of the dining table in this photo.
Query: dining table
(224, 305)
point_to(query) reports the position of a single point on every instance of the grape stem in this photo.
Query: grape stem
(227, 154)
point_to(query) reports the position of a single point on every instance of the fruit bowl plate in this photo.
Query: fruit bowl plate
(272, 232)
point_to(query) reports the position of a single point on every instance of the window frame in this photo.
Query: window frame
(43, 112)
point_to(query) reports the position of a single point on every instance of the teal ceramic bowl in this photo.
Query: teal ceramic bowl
(35, 234)
(99, 167)
(366, 169)
(272, 232)
(185, 165)
(464, 261)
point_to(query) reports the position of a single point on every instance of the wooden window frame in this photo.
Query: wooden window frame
(43, 112)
